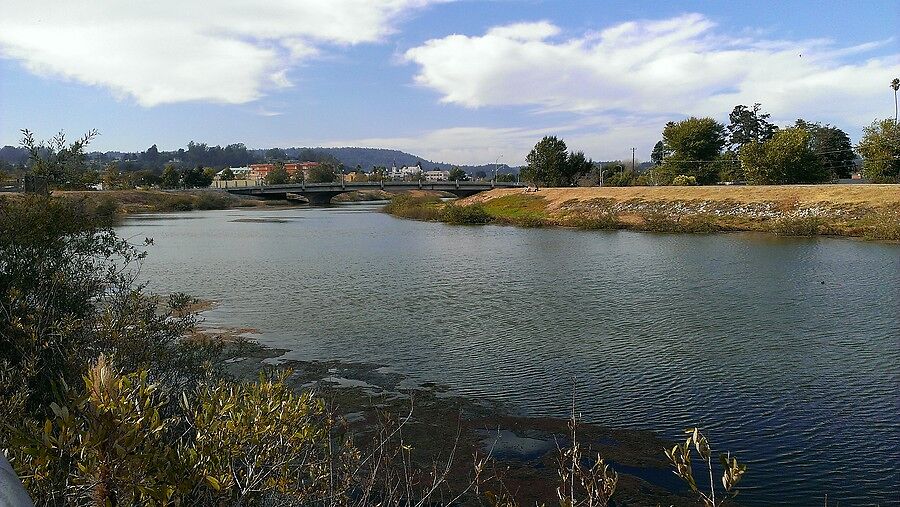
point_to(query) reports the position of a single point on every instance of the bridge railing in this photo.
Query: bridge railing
(425, 185)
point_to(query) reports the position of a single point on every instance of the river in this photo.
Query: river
(785, 350)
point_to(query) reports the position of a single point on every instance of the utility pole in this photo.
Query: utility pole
(632, 160)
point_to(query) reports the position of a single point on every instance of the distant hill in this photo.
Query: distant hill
(237, 154)
(369, 157)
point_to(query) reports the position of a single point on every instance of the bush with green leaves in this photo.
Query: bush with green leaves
(471, 214)
(683, 180)
(880, 149)
(786, 158)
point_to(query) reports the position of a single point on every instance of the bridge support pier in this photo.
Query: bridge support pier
(319, 198)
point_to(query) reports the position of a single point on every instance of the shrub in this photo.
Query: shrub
(659, 222)
(885, 226)
(472, 214)
(662, 222)
(209, 201)
(797, 226)
(415, 207)
(107, 211)
(682, 180)
(176, 203)
(733, 472)
(602, 221)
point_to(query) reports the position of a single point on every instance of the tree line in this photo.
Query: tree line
(748, 149)
(192, 167)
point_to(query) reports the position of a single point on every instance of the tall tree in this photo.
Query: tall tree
(322, 173)
(786, 158)
(895, 85)
(747, 125)
(278, 175)
(547, 163)
(577, 166)
(880, 149)
(275, 154)
(833, 147)
(457, 174)
(693, 145)
(60, 163)
(170, 177)
(658, 153)
(150, 157)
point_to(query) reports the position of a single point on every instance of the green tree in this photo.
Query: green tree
(60, 163)
(197, 177)
(170, 177)
(658, 153)
(880, 149)
(786, 158)
(895, 85)
(748, 125)
(112, 178)
(275, 154)
(833, 147)
(227, 174)
(577, 166)
(278, 175)
(457, 174)
(548, 163)
(693, 146)
(299, 176)
(322, 173)
(728, 167)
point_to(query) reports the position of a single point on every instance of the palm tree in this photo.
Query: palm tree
(895, 84)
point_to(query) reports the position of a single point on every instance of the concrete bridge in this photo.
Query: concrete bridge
(320, 194)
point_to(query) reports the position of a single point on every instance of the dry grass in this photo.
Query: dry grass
(870, 211)
(150, 201)
(869, 195)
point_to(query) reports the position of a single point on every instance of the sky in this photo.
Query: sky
(468, 82)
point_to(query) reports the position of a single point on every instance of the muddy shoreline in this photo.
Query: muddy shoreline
(524, 451)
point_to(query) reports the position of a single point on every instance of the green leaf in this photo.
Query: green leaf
(213, 482)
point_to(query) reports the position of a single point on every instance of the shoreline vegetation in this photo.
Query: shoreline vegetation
(523, 450)
(117, 203)
(863, 210)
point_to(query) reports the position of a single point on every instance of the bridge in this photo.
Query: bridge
(320, 194)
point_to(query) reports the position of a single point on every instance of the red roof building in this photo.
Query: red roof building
(260, 171)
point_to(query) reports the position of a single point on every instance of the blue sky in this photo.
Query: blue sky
(455, 81)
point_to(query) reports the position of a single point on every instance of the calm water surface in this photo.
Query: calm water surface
(786, 351)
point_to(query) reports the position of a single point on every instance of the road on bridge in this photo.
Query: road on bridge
(320, 194)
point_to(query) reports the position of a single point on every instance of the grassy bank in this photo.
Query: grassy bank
(160, 201)
(866, 211)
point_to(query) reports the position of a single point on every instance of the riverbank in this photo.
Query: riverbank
(865, 211)
(129, 202)
(524, 451)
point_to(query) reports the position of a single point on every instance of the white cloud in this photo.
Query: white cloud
(166, 51)
(678, 66)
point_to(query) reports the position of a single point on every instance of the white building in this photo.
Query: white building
(240, 173)
(437, 175)
(405, 172)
